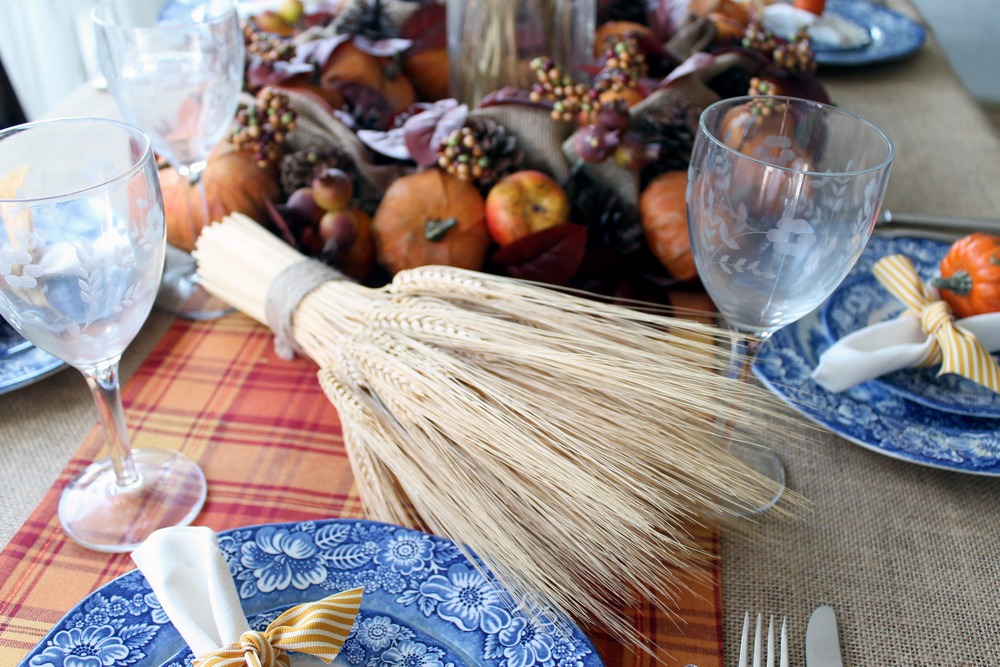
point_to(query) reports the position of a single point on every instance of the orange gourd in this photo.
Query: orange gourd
(349, 63)
(970, 275)
(664, 220)
(814, 6)
(431, 218)
(233, 183)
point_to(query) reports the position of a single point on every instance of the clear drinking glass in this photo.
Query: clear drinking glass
(176, 71)
(782, 198)
(81, 256)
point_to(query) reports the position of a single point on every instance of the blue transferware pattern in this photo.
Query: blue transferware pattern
(894, 36)
(868, 414)
(860, 302)
(424, 604)
(21, 363)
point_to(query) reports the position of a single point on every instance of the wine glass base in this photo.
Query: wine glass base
(181, 295)
(765, 462)
(98, 514)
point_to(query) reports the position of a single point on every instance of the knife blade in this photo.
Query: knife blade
(959, 226)
(822, 640)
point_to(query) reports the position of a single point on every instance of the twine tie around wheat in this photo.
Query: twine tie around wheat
(285, 293)
(956, 349)
(317, 628)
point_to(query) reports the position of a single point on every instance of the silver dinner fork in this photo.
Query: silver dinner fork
(758, 644)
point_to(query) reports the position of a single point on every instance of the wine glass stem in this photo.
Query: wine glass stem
(743, 354)
(193, 174)
(103, 381)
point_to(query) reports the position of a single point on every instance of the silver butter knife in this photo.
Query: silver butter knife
(942, 228)
(822, 640)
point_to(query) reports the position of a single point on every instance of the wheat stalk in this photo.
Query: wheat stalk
(569, 443)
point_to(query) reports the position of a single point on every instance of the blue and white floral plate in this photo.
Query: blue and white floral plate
(860, 302)
(424, 604)
(868, 414)
(21, 363)
(894, 36)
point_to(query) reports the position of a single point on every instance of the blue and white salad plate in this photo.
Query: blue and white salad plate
(869, 414)
(424, 605)
(860, 302)
(894, 36)
(21, 363)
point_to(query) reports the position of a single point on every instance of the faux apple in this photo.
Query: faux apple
(524, 203)
(332, 190)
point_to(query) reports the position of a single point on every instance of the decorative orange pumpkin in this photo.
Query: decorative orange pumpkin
(428, 71)
(431, 218)
(631, 96)
(970, 275)
(233, 182)
(664, 219)
(349, 63)
(358, 259)
(814, 6)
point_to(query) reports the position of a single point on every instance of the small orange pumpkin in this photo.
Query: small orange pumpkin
(233, 182)
(664, 219)
(349, 63)
(431, 218)
(970, 275)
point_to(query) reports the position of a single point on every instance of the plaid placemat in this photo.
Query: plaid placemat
(270, 445)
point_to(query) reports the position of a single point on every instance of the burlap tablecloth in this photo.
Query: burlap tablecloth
(907, 555)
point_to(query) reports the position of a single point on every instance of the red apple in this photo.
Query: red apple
(333, 190)
(524, 203)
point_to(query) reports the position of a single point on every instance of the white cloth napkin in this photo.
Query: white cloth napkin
(889, 346)
(191, 580)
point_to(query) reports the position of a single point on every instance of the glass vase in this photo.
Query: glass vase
(492, 42)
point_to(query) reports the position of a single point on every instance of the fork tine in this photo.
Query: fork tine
(784, 643)
(758, 645)
(743, 642)
(770, 642)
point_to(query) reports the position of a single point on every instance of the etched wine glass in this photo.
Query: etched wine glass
(176, 71)
(81, 256)
(782, 197)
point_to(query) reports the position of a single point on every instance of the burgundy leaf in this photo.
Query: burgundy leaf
(665, 16)
(750, 53)
(427, 27)
(365, 102)
(511, 95)
(275, 73)
(279, 221)
(318, 51)
(391, 143)
(689, 66)
(550, 256)
(383, 48)
(427, 129)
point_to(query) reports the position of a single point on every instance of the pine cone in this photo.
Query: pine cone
(622, 10)
(482, 151)
(499, 146)
(673, 128)
(299, 168)
(609, 219)
(367, 18)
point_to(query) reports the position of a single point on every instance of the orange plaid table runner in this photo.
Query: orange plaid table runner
(271, 448)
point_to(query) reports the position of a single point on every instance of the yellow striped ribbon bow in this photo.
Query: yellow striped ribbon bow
(957, 349)
(317, 628)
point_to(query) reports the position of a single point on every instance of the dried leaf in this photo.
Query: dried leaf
(279, 222)
(512, 95)
(318, 51)
(689, 66)
(426, 130)
(551, 256)
(391, 143)
(382, 48)
(427, 28)
(274, 73)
